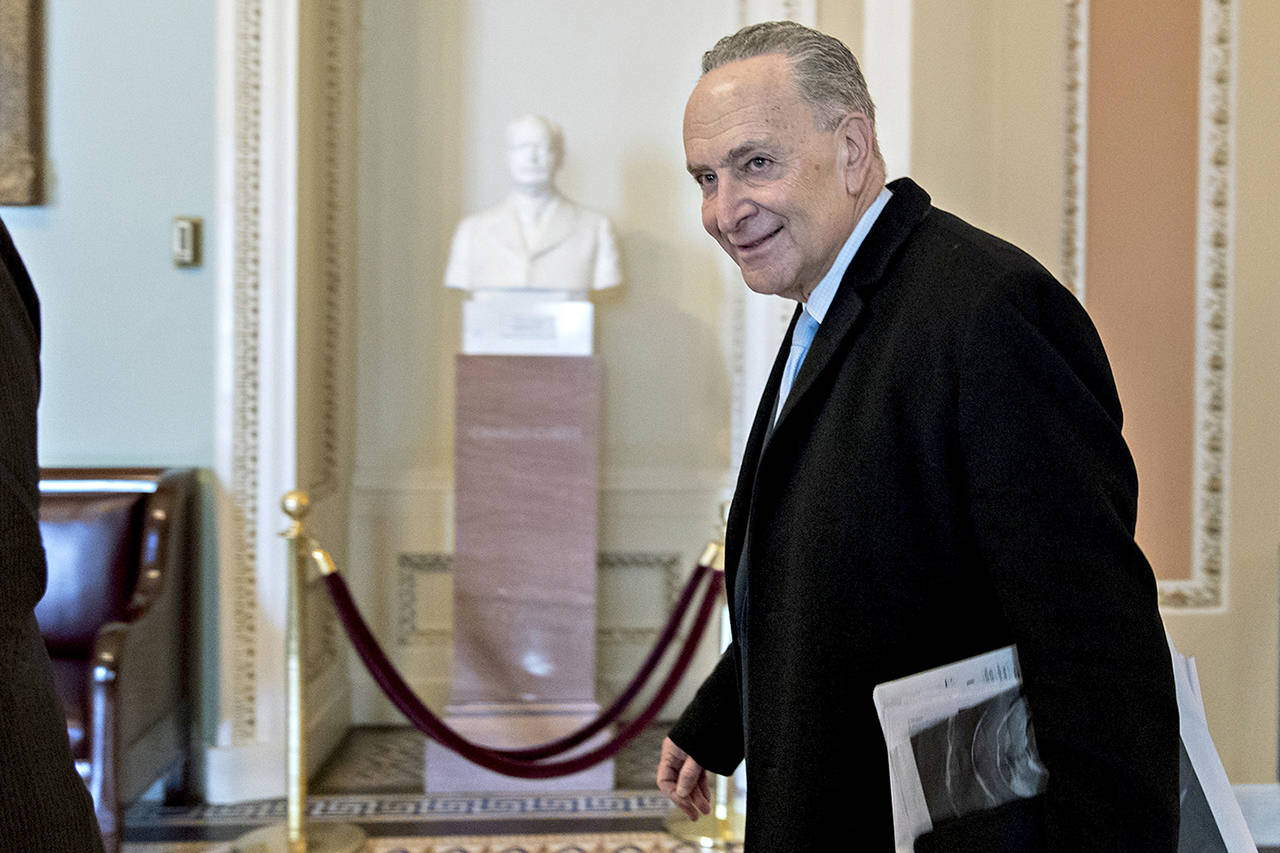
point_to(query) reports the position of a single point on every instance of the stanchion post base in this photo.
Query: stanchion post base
(709, 831)
(321, 838)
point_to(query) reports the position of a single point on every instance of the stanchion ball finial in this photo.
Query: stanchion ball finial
(296, 504)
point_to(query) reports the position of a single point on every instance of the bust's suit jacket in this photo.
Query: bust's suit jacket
(946, 477)
(573, 250)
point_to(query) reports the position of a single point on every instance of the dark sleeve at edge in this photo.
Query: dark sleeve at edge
(710, 729)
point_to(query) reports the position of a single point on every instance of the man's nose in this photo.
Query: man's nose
(732, 206)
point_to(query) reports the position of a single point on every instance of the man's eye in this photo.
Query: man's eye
(706, 179)
(755, 164)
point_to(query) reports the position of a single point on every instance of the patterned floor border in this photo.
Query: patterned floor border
(366, 809)
(649, 842)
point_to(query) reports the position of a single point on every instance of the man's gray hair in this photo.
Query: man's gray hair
(826, 72)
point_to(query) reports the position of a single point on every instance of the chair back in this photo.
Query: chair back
(92, 542)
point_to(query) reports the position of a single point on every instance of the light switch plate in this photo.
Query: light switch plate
(186, 241)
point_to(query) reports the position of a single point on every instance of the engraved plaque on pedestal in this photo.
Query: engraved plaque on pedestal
(533, 323)
(524, 565)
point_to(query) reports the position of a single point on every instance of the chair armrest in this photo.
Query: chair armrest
(147, 659)
(104, 746)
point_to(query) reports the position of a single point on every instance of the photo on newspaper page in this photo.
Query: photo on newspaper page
(978, 758)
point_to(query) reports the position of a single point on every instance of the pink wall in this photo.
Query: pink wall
(1140, 241)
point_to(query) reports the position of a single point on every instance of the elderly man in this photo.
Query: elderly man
(936, 470)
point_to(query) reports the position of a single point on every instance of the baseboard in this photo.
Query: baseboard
(1261, 807)
(256, 771)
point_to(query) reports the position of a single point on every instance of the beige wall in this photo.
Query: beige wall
(987, 117)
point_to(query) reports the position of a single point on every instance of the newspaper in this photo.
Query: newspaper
(1211, 818)
(960, 739)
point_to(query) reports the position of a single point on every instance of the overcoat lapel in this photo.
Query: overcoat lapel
(906, 208)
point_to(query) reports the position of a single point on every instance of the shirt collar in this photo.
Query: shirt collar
(820, 299)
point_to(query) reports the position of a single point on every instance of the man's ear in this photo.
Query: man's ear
(859, 139)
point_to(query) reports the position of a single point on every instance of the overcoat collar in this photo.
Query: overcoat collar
(905, 210)
(556, 228)
(900, 216)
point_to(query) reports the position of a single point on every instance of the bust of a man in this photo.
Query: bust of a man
(536, 239)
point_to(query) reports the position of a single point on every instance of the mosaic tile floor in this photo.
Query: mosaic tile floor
(587, 843)
(374, 780)
(388, 760)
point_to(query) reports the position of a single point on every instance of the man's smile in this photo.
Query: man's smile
(757, 243)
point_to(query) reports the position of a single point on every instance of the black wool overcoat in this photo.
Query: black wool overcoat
(43, 804)
(946, 477)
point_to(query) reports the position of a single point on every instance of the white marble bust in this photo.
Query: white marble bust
(536, 239)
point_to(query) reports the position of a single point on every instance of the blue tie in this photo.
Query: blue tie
(801, 337)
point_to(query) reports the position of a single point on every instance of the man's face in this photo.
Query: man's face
(775, 189)
(531, 155)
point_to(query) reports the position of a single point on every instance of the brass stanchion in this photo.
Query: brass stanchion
(724, 828)
(297, 835)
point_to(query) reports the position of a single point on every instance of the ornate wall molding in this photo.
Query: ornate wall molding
(260, 444)
(1215, 237)
(1077, 107)
(1215, 234)
(409, 569)
(666, 562)
(245, 438)
(339, 70)
(414, 567)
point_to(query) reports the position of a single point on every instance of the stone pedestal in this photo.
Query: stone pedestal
(524, 564)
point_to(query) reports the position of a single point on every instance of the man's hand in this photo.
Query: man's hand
(683, 780)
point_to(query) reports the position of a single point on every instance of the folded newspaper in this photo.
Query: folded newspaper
(961, 739)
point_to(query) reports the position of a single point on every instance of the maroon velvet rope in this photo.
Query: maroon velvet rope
(624, 699)
(502, 761)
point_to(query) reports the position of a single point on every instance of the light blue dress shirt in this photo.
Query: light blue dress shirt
(815, 308)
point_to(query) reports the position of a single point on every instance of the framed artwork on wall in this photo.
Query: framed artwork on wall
(21, 102)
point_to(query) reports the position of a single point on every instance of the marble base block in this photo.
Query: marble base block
(506, 726)
(524, 561)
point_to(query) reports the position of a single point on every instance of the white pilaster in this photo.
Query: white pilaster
(886, 63)
(256, 452)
